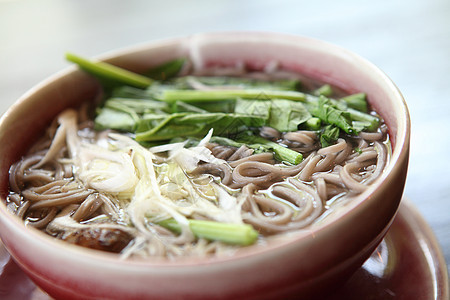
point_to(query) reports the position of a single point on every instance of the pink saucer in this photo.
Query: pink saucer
(408, 264)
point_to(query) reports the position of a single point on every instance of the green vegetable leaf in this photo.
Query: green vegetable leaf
(226, 141)
(329, 135)
(356, 101)
(312, 123)
(283, 115)
(331, 115)
(153, 128)
(366, 121)
(137, 106)
(166, 70)
(114, 119)
(281, 153)
(261, 108)
(224, 106)
(324, 90)
(181, 106)
(130, 92)
(286, 115)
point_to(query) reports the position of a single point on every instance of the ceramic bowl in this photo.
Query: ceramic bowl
(310, 263)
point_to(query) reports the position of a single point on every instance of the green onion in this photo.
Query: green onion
(313, 123)
(214, 95)
(324, 90)
(236, 234)
(371, 122)
(185, 82)
(107, 71)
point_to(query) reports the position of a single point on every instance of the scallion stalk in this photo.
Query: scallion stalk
(111, 72)
(313, 123)
(372, 122)
(229, 233)
(324, 90)
(214, 95)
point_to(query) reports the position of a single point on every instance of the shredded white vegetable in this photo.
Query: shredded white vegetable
(188, 158)
(125, 169)
(147, 198)
(106, 171)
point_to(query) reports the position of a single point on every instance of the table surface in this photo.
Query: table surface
(408, 39)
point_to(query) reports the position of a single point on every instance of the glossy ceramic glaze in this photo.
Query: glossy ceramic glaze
(312, 262)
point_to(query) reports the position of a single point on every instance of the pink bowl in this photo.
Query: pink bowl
(311, 263)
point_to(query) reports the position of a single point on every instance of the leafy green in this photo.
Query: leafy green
(137, 106)
(181, 106)
(130, 93)
(172, 108)
(122, 107)
(286, 115)
(259, 108)
(114, 119)
(329, 135)
(341, 114)
(356, 101)
(324, 90)
(368, 122)
(125, 114)
(260, 144)
(226, 106)
(281, 153)
(166, 70)
(153, 127)
(226, 141)
(331, 115)
(281, 114)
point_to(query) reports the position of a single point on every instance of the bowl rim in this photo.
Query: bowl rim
(399, 152)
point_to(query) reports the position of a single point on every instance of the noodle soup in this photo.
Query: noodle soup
(299, 263)
(198, 162)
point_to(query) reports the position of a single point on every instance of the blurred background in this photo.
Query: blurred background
(408, 39)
